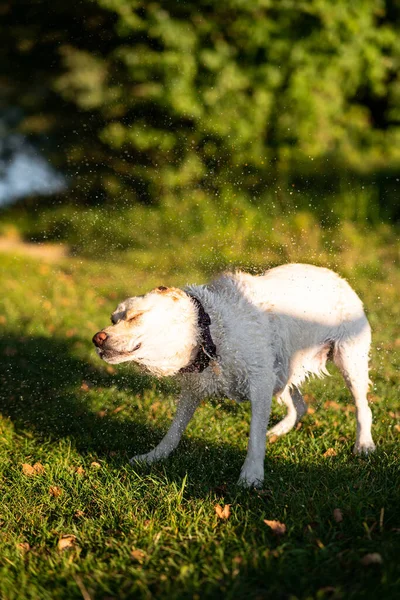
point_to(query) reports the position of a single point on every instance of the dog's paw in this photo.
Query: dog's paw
(143, 459)
(364, 448)
(251, 478)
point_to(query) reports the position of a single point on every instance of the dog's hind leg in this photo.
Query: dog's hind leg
(296, 408)
(351, 356)
(186, 406)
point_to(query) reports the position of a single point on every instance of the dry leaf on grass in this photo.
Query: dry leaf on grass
(277, 527)
(30, 471)
(338, 515)
(55, 491)
(332, 404)
(67, 542)
(95, 465)
(155, 406)
(23, 547)
(272, 438)
(80, 471)
(223, 513)
(138, 555)
(330, 452)
(374, 558)
(119, 408)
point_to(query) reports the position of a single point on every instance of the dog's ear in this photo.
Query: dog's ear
(117, 316)
(174, 293)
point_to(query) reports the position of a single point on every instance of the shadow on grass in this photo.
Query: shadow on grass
(41, 391)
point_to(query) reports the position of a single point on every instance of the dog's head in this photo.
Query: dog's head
(158, 331)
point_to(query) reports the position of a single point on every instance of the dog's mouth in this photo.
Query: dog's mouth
(112, 356)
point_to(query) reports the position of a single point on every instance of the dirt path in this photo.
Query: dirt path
(44, 251)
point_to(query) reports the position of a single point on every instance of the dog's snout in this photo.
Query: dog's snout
(99, 338)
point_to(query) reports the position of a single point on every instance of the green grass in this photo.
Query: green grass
(58, 407)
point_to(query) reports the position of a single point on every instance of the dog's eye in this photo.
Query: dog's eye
(136, 348)
(132, 318)
(114, 320)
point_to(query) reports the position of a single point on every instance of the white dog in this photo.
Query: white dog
(247, 337)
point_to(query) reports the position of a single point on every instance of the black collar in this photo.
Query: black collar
(207, 350)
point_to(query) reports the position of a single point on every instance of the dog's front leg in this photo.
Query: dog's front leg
(186, 406)
(252, 473)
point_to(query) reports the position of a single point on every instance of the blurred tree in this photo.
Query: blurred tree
(149, 97)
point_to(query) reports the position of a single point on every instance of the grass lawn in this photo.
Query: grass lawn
(69, 423)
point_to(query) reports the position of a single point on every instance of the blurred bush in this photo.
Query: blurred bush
(152, 98)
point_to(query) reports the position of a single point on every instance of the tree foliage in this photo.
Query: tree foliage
(148, 97)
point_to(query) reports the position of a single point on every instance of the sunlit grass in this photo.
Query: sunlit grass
(153, 531)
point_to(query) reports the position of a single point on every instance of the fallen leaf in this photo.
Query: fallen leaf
(95, 465)
(397, 427)
(223, 513)
(111, 370)
(102, 413)
(394, 415)
(330, 452)
(155, 406)
(310, 410)
(80, 471)
(138, 555)
(30, 471)
(119, 408)
(272, 438)
(332, 404)
(277, 527)
(85, 386)
(79, 513)
(338, 515)
(374, 558)
(66, 542)
(23, 547)
(55, 491)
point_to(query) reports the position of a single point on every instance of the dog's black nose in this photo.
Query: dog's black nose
(99, 338)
